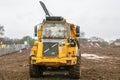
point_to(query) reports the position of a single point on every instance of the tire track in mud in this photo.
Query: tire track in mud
(16, 67)
(54, 76)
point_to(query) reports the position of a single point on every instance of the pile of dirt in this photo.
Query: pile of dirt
(16, 66)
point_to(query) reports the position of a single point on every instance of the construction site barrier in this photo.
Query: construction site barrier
(11, 48)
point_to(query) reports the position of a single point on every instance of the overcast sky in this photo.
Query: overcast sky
(96, 17)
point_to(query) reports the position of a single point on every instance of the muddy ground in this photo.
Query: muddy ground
(15, 66)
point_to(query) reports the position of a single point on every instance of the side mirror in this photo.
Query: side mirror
(35, 31)
(77, 35)
(77, 31)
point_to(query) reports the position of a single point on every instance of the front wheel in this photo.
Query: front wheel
(74, 71)
(35, 71)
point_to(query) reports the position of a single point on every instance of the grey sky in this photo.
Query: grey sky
(96, 17)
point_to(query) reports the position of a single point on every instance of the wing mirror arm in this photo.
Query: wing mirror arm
(77, 31)
(35, 31)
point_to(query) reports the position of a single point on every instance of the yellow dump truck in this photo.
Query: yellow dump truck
(57, 47)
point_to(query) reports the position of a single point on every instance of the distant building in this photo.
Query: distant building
(117, 43)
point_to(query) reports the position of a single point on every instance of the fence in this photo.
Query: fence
(11, 48)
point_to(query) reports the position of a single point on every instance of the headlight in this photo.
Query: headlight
(61, 43)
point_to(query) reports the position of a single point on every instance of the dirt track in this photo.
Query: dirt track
(15, 66)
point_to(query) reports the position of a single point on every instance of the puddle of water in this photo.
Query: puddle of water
(92, 56)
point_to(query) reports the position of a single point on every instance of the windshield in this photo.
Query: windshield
(54, 30)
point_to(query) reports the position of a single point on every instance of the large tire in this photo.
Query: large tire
(74, 71)
(35, 71)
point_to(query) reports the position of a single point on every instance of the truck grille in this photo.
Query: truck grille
(50, 49)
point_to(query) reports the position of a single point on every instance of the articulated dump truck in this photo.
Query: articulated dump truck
(57, 47)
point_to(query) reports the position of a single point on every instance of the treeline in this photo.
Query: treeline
(27, 39)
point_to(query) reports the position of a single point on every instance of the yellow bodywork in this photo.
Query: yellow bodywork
(54, 61)
(66, 54)
(3, 46)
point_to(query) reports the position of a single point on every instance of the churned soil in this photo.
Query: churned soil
(15, 66)
(101, 69)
